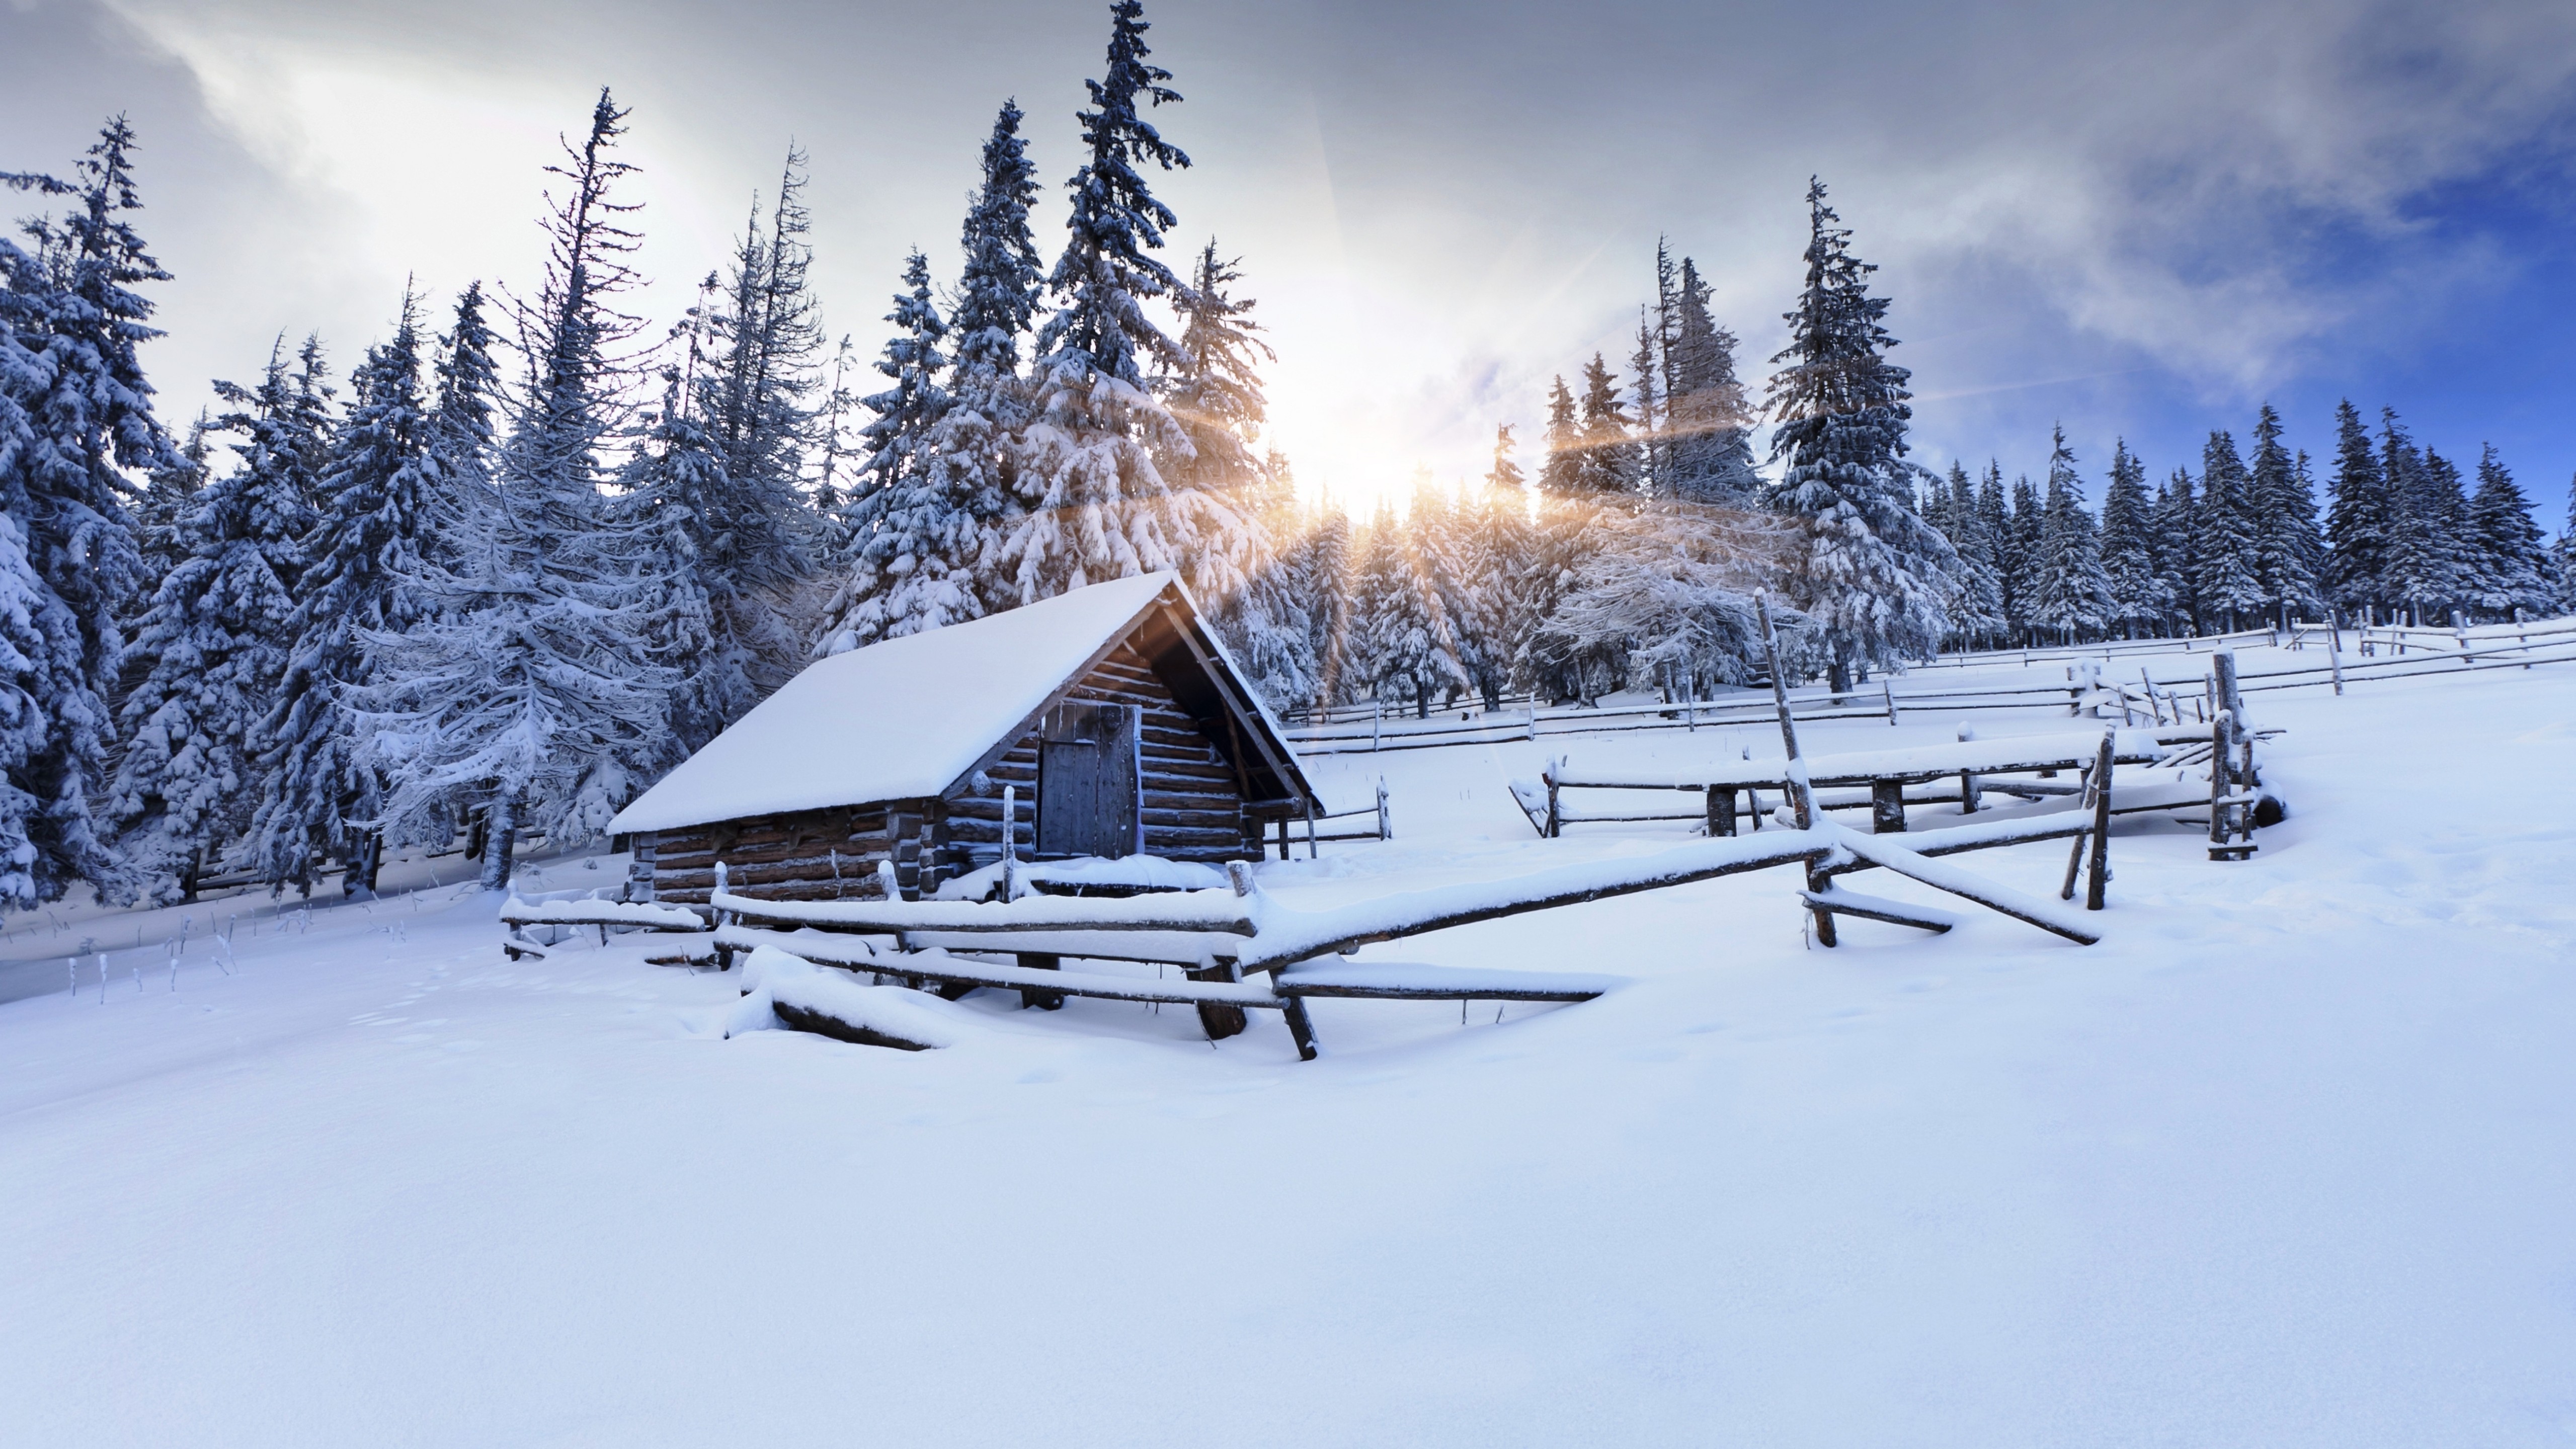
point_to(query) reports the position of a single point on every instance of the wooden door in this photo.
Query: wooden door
(1088, 785)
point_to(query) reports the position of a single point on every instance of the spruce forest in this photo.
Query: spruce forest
(500, 572)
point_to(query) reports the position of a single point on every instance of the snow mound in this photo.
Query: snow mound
(790, 992)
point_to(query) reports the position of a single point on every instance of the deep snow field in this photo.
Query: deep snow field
(2289, 1159)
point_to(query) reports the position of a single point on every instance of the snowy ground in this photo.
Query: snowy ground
(2286, 1161)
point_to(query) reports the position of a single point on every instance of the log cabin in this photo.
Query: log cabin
(1112, 713)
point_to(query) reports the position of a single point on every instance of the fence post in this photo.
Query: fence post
(2334, 647)
(1384, 831)
(1801, 798)
(1310, 828)
(1011, 843)
(1549, 775)
(2098, 878)
(1377, 724)
(1888, 689)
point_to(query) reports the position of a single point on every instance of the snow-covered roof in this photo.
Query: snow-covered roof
(899, 720)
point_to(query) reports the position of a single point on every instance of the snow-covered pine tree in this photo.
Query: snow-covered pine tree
(1653, 473)
(2140, 601)
(1269, 626)
(2074, 598)
(1867, 570)
(2230, 585)
(23, 727)
(1216, 395)
(1403, 636)
(1667, 599)
(382, 501)
(752, 393)
(2434, 567)
(1610, 465)
(2513, 566)
(832, 483)
(1709, 424)
(1214, 390)
(672, 492)
(1325, 561)
(1560, 472)
(531, 691)
(2357, 521)
(1496, 618)
(208, 655)
(914, 549)
(973, 450)
(2562, 555)
(1661, 459)
(2287, 548)
(1094, 506)
(2177, 519)
(170, 500)
(2025, 557)
(468, 389)
(75, 413)
(1994, 523)
(1977, 609)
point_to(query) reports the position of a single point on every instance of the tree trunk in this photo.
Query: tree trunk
(501, 833)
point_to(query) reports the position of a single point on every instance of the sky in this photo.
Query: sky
(2139, 222)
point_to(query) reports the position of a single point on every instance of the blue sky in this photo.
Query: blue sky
(2140, 220)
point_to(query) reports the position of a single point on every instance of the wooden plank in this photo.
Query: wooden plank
(1877, 908)
(1392, 981)
(957, 971)
(2028, 909)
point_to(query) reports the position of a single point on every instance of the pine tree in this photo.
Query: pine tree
(2177, 534)
(2357, 522)
(1653, 472)
(460, 419)
(1561, 472)
(2025, 557)
(1610, 465)
(752, 394)
(1325, 562)
(973, 450)
(2140, 600)
(2287, 550)
(2562, 555)
(1709, 423)
(2073, 597)
(531, 690)
(2512, 577)
(1977, 613)
(75, 411)
(170, 500)
(209, 655)
(382, 501)
(1094, 504)
(23, 727)
(1994, 524)
(1216, 394)
(914, 549)
(2432, 563)
(673, 492)
(1401, 637)
(1867, 570)
(2230, 585)
(1494, 620)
